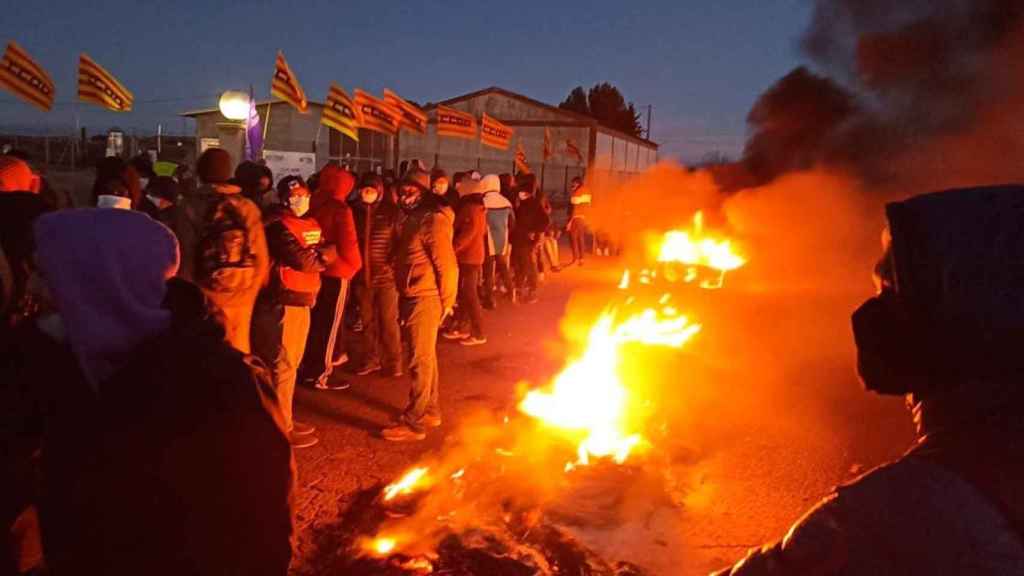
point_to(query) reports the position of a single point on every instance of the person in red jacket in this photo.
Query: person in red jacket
(470, 235)
(324, 346)
(280, 322)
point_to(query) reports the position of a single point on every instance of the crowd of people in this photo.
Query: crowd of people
(222, 292)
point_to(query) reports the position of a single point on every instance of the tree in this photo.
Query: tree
(576, 101)
(605, 104)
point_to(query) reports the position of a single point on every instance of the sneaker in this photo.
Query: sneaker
(402, 433)
(530, 298)
(369, 369)
(473, 340)
(396, 373)
(332, 384)
(303, 441)
(302, 429)
(431, 421)
(454, 335)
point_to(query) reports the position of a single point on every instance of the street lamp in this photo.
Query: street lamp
(234, 105)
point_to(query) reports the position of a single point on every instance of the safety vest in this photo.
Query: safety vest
(308, 233)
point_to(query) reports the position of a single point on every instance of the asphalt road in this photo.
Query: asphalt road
(770, 417)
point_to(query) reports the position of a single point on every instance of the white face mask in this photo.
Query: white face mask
(111, 201)
(299, 205)
(524, 195)
(369, 196)
(441, 188)
(144, 182)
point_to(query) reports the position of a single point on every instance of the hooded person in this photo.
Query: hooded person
(427, 276)
(441, 186)
(17, 176)
(325, 343)
(500, 222)
(223, 246)
(470, 243)
(376, 221)
(282, 316)
(532, 221)
(155, 402)
(943, 331)
(116, 178)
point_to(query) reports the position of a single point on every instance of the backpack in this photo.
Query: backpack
(224, 261)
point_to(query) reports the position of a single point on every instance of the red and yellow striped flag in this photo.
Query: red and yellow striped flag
(97, 86)
(494, 133)
(286, 86)
(522, 167)
(376, 114)
(27, 80)
(341, 113)
(413, 119)
(452, 122)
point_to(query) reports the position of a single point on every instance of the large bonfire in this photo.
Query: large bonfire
(491, 504)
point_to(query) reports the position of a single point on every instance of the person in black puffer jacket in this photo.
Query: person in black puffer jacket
(377, 230)
(531, 224)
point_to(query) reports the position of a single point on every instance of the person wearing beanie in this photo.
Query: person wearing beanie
(223, 246)
(470, 251)
(140, 400)
(281, 320)
(161, 199)
(112, 175)
(256, 182)
(500, 222)
(325, 345)
(376, 219)
(427, 276)
(17, 176)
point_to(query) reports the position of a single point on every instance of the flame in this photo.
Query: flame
(382, 546)
(696, 248)
(407, 484)
(588, 397)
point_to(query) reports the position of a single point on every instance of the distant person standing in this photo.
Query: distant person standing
(223, 246)
(161, 199)
(325, 345)
(579, 208)
(427, 278)
(500, 221)
(377, 228)
(470, 251)
(531, 224)
(281, 320)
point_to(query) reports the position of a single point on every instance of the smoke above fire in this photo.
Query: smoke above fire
(905, 97)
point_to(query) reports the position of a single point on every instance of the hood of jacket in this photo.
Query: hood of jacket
(496, 201)
(335, 183)
(106, 271)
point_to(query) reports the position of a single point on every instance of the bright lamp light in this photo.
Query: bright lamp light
(234, 105)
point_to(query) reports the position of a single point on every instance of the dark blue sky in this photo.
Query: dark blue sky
(701, 64)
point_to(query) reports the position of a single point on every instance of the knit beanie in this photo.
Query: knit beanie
(16, 176)
(417, 178)
(285, 186)
(214, 166)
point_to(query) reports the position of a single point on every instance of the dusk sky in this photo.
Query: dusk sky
(701, 64)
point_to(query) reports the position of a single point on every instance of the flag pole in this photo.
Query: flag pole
(266, 125)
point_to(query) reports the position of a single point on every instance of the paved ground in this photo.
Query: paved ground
(773, 418)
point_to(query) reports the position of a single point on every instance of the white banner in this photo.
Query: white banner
(290, 163)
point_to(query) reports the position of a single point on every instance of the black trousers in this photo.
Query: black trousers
(324, 346)
(470, 313)
(525, 263)
(378, 308)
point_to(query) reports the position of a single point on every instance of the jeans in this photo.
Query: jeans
(279, 339)
(525, 264)
(325, 329)
(378, 308)
(578, 233)
(470, 311)
(496, 264)
(421, 320)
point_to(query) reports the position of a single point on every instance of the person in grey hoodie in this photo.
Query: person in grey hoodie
(500, 220)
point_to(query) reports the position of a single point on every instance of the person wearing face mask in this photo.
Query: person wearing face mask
(470, 248)
(161, 199)
(117, 184)
(281, 320)
(441, 186)
(427, 276)
(944, 331)
(531, 224)
(377, 228)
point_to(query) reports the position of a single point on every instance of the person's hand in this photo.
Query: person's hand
(328, 253)
(448, 312)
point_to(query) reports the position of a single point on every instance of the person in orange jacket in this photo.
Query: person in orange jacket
(324, 346)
